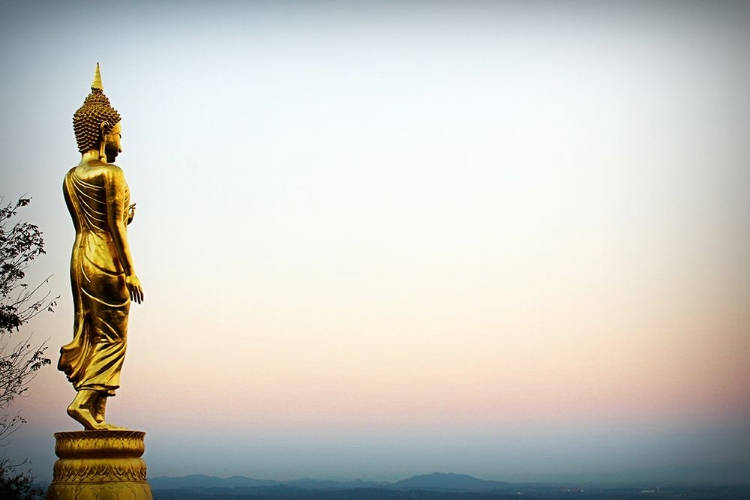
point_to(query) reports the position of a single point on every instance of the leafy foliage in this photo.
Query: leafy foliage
(20, 243)
(18, 486)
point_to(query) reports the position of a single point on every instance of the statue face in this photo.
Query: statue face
(112, 145)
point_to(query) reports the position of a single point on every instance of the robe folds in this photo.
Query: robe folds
(94, 358)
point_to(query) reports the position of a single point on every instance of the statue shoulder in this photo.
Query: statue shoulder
(112, 171)
(112, 168)
(69, 175)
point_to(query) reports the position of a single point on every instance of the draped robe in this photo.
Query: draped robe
(94, 358)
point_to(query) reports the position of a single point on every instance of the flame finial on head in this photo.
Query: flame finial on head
(97, 83)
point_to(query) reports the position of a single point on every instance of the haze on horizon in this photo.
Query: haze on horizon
(504, 239)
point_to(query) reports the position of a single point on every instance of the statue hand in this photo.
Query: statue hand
(134, 286)
(131, 213)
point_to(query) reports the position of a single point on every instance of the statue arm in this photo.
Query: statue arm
(116, 209)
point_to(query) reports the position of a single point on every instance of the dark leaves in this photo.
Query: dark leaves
(20, 243)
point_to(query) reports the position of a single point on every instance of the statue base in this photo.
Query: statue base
(99, 465)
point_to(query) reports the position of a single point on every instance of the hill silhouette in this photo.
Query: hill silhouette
(449, 482)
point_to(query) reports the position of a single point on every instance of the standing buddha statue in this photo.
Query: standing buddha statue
(102, 274)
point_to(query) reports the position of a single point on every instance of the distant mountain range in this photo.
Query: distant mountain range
(435, 486)
(440, 482)
(434, 482)
(716, 474)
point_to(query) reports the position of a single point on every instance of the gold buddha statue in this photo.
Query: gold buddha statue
(102, 275)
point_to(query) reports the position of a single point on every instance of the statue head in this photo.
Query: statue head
(96, 120)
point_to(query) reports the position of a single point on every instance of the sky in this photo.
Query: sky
(378, 239)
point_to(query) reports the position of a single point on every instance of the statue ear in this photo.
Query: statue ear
(104, 129)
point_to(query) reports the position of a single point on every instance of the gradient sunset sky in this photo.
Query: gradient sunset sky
(377, 239)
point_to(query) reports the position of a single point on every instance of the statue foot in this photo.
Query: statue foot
(99, 407)
(89, 422)
(85, 418)
(111, 427)
(88, 410)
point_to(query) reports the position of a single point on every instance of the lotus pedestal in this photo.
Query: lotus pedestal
(99, 465)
